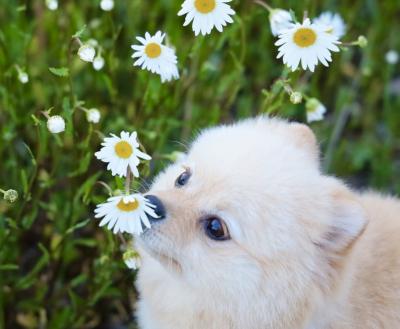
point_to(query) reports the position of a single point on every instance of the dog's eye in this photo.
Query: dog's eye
(183, 179)
(216, 229)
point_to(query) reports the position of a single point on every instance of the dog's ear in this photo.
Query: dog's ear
(304, 138)
(347, 223)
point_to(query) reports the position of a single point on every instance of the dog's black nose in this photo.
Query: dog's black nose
(159, 208)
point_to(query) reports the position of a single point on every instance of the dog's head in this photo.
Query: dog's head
(248, 216)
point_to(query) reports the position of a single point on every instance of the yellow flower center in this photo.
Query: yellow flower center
(129, 206)
(153, 50)
(204, 6)
(123, 149)
(304, 37)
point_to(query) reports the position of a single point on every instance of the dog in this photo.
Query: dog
(250, 234)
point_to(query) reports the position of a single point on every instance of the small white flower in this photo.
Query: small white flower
(86, 53)
(132, 259)
(155, 57)
(206, 14)
(52, 4)
(296, 97)
(280, 20)
(121, 153)
(93, 115)
(315, 110)
(306, 43)
(98, 63)
(126, 213)
(392, 57)
(55, 124)
(23, 77)
(107, 5)
(333, 23)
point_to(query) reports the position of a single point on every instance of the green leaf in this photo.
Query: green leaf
(28, 280)
(9, 267)
(80, 32)
(83, 165)
(24, 182)
(77, 226)
(60, 71)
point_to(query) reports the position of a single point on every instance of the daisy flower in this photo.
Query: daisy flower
(206, 14)
(125, 213)
(315, 110)
(56, 124)
(155, 57)
(121, 153)
(279, 20)
(333, 23)
(306, 43)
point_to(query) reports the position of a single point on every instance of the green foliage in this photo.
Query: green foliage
(57, 268)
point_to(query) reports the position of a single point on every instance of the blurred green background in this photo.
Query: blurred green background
(57, 268)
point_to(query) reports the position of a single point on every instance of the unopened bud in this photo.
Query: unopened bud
(11, 196)
(362, 41)
(296, 97)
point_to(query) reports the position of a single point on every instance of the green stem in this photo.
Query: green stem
(128, 181)
(337, 132)
(263, 4)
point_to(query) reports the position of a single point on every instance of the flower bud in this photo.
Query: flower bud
(11, 196)
(296, 97)
(93, 115)
(56, 124)
(362, 41)
(132, 259)
(86, 53)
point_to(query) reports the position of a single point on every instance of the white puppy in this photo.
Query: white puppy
(253, 236)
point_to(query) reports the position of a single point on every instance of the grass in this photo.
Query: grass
(57, 268)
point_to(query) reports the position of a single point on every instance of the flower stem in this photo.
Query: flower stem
(78, 41)
(263, 4)
(121, 237)
(128, 181)
(46, 114)
(110, 191)
(2, 191)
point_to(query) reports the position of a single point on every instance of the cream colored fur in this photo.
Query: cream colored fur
(306, 251)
